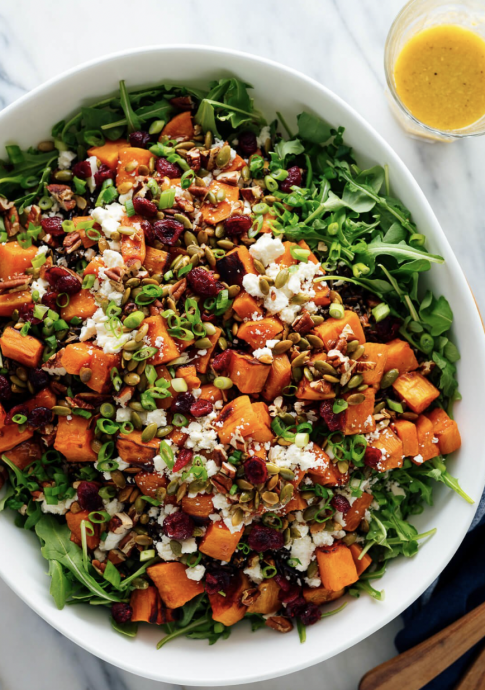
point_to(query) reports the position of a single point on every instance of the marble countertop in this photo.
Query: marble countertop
(337, 42)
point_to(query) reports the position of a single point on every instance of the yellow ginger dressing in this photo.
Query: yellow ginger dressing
(440, 77)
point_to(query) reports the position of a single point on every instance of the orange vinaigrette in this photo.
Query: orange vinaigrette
(440, 77)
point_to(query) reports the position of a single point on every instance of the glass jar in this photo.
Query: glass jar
(417, 16)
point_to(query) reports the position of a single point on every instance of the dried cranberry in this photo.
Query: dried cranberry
(203, 282)
(218, 577)
(183, 458)
(306, 611)
(248, 144)
(104, 173)
(294, 178)
(139, 139)
(201, 408)
(387, 329)
(340, 503)
(5, 389)
(121, 613)
(221, 362)
(178, 525)
(38, 378)
(182, 403)
(63, 280)
(49, 299)
(16, 409)
(208, 316)
(52, 226)
(262, 538)
(372, 457)
(26, 312)
(289, 591)
(167, 169)
(39, 416)
(255, 470)
(82, 170)
(333, 420)
(147, 228)
(145, 207)
(168, 231)
(237, 225)
(88, 496)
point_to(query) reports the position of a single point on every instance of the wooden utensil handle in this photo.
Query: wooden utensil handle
(474, 678)
(422, 663)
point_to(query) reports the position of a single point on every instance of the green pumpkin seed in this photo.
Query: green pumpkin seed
(300, 298)
(317, 320)
(287, 418)
(181, 492)
(300, 360)
(131, 379)
(149, 433)
(307, 374)
(259, 266)
(165, 431)
(209, 255)
(131, 346)
(63, 176)
(304, 343)
(246, 496)
(172, 487)
(61, 410)
(85, 374)
(190, 238)
(359, 351)
(270, 498)
(136, 406)
(176, 547)
(330, 378)
(309, 513)
(362, 388)
(343, 466)
(297, 373)
(315, 341)
(233, 291)
(287, 474)
(208, 139)
(139, 505)
(380, 406)
(237, 517)
(286, 493)
(118, 478)
(295, 533)
(161, 493)
(222, 343)
(264, 286)
(312, 569)
(356, 399)
(224, 156)
(352, 346)
(225, 244)
(355, 381)
(282, 278)
(136, 421)
(272, 469)
(410, 416)
(203, 344)
(202, 237)
(282, 346)
(389, 378)
(324, 367)
(46, 146)
(244, 485)
(295, 338)
(287, 536)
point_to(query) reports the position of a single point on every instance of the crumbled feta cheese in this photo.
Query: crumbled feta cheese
(157, 417)
(267, 248)
(302, 549)
(111, 542)
(112, 507)
(196, 573)
(65, 159)
(264, 134)
(189, 545)
(123, 414)
(255, 573)
(112, 259)
(322, 538)
(93, 162)
(262, 352)
(59, 508)
(96, 326)
(313, 581)
(109, 218)
(40, 285)
(418, 459)
(164, 550)
(200, 437)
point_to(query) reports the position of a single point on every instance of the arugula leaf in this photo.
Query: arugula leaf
(313, 128)
(60, 588)
(112, 574)
(206, 117)
(9, 491)
(288, 148)
(132, 119)
(128, 629)
(436, 314)
(57, 546)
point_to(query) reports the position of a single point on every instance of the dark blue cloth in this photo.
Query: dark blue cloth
(459, 589)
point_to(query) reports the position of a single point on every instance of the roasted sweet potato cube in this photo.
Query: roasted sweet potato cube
(213, 214)
(256, 333)
(358, 419)
(377, 353)
(246, 306)
(128, 156)
(406, 431)
(10, 301)
(425, 430)
(14, 259)
(155, 260)
(235, 265)
(210, 392)
(24, 349)
(446, 430)
(148, 607)
(248, 374)
(179, 127)
(202, 361)
(400, 356)
(322, 294)
(237, 416)
(315, 390)
(149, 482)
(200, 506)
(74, 521)
(416, 391)
(133, 247)
(101, 364)
(268, 600)
(108, 153)
(78, 220)
(82, 304)
(279, 377)
(10, 436)
(159, 337)
(173, 585)
(73, 439)
(75, 356)
(337, 567)
(262, 430)
(189, 374)
(356, 513)
(331, 328)
(327, 474)
(218, 542)
(228, 609)
(25, 453)
(391, 448)
(360, 563)
(132, 449)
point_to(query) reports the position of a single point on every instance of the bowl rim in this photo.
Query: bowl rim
(421, 201)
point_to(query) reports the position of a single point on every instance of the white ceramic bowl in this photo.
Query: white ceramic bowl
(247, 657)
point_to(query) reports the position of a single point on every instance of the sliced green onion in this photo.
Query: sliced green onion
(339, 405)
(167, 198)
(38, 260)
(299, 253)
(147, 554)
(187, 179)
(19, 418)
(62, 300)
(381, 311)
(79, 185)
(129, 208)
(25, 329)
(336, 310)
(68, 226)
(179, 420)
(88, 281)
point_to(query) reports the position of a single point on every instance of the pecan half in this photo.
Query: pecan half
(63, 194)
(18, 281)
(303, 324)
(12, 222)
(115, 273)
(249, 596)
(222, 483)
(198, 191)
(182, 102)
(193, 159)
(364, 366)
(280, 624)
(77, 402)
(178, 289)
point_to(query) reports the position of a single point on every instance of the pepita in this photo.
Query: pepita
(264, 286)
(282, 278)
(282, 346)
(300, 360)
(355, 381)
(270, 498)
(356, 399)
(389, 378)
(286, 494)
(149, 433)
(315, 341)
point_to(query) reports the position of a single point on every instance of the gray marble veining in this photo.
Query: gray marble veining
(338, 42)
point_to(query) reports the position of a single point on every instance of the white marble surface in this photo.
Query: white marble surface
(337, 42)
